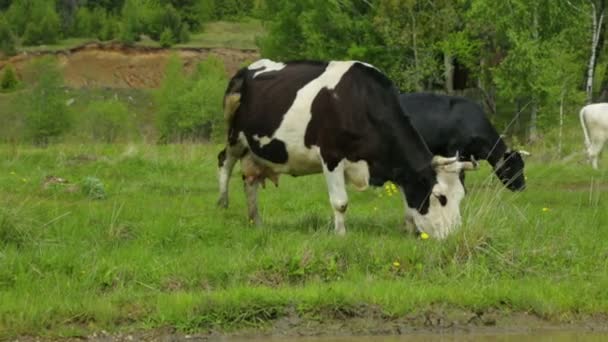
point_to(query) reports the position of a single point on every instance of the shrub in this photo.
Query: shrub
(107, 121)
(9, 79)
(93, 188)
(166, 38)
(191, 109)
(47, 113)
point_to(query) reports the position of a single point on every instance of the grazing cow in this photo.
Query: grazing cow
(452, 124)
(594, 119)
(341, 118)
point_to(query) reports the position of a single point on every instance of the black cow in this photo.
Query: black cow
(452, 124)
(341, 118)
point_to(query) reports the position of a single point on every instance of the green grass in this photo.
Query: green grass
(156, 251)
(227, 34)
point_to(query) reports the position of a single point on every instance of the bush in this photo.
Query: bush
(166, 38)
(93, 188)
(190, 109)
(110, 29)
(47, 113)
(9, 79)
(107, 121)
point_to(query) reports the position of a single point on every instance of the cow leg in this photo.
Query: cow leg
(593, 150)
(251, 192)
(226, 161)
(409, 224)
(337, 195)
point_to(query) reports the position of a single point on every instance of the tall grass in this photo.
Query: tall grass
(156, 251)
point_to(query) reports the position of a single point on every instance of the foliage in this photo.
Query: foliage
(166, 38)
(131, 22)
(93, 188)
(7, 39)
(107, 121)
(9, 79)
(47, 114)
(43, 25)
(189, 108)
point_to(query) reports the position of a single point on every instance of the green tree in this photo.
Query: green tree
(47, 114)
(84, 23)
(44, 27)
(130, 26)
(7, 39)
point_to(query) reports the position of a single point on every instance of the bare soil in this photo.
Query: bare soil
(369, 322)
(115, 65)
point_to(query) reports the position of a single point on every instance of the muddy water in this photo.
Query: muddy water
(531, 337)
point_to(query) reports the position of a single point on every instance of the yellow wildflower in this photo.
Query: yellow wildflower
(546, 209)
(396, 263)
(13, 173)
(424, 236)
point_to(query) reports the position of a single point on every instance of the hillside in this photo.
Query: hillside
(114, 65)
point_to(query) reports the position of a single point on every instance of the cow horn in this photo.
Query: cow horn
(470, 165)
(439, 160)
(524, 153)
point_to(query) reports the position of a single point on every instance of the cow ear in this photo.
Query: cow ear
(442, 200)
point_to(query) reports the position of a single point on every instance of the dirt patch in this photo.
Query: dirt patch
(115, 65)
(371, 322)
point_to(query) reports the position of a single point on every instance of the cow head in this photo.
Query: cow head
(438, 212)
(510, 170)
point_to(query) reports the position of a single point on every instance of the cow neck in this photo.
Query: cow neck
(497, 153)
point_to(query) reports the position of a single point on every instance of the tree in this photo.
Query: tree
(130, 26)
(47, 113)
(7, 39)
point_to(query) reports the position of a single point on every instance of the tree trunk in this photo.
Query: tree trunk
(561, 123)
(597, 22)
(419, 85)
(448, 62)
(532, 129)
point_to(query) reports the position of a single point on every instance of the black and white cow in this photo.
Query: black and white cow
(453, 124)
(594, 119)
(341, 118)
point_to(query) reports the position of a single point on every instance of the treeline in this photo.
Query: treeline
(523, 59)
(185, 108)
(36, 22)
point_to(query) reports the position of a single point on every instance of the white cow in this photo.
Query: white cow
(594, 119)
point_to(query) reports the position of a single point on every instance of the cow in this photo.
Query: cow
(594, 119)
(454, 124)
(342, 119)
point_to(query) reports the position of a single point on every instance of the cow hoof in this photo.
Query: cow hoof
(222, 202)
(256, 222)
(340, 232)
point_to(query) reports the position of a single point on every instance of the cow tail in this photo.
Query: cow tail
(585, 130)
(232, 96)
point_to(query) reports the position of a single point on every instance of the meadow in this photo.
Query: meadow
(133, 240)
